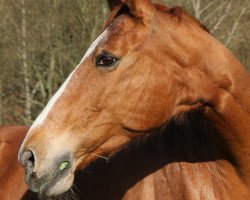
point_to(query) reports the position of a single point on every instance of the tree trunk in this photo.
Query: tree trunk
(51, 74)
(197, 8)
(27, 110)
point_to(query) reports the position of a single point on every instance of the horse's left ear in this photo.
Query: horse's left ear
(143, 9)
(113, 4)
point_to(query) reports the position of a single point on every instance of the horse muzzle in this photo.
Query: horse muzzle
(49, 179)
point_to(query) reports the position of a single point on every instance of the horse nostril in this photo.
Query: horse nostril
(28, 161)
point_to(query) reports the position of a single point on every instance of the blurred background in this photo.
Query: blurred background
(41, 41)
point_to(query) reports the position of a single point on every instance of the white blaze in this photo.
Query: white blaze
(52, 101)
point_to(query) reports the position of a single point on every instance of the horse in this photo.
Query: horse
(12, 185)
(157, 104)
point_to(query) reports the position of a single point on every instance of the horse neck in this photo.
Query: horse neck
(231, 119)
(230, 112)
(184, 156)
(187, 159)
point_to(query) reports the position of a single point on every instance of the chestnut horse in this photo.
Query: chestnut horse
(12, 185)
(164, 105)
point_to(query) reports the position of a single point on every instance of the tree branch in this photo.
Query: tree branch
(221, 18)
(234, 28)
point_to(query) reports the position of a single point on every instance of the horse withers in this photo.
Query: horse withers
(154, 81)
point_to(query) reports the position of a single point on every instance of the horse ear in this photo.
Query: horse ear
(143, 9)
(113, 4)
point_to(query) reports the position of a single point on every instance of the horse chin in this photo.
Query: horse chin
(51, 191)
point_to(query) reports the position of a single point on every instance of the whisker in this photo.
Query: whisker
(74, 185)
(74, 195)
(70, 194)
(105, 158)
(80, 196)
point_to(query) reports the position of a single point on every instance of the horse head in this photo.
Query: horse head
(151, 63)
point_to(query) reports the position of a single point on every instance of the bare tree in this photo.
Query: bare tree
(42, 41)
(27, 110)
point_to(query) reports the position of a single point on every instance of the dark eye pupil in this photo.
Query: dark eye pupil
(106, 60)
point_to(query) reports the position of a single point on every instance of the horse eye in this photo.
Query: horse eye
(106, 60)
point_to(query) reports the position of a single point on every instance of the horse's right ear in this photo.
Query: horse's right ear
(143, 9)
(114, 3)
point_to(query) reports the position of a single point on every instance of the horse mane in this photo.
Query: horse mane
(188, 137)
